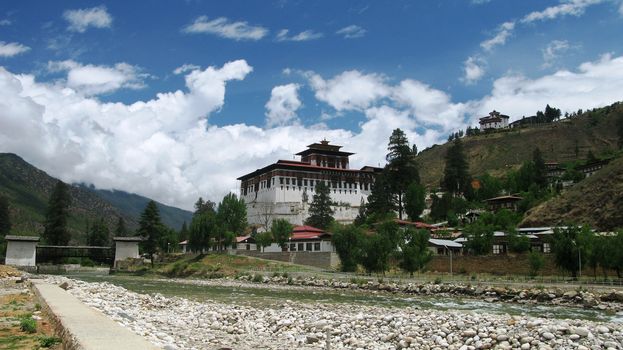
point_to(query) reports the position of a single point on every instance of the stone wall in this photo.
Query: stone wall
(511, 264)
(325, 260)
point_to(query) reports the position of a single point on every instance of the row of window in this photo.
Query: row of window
(302, 247)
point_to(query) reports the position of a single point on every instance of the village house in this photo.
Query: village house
(494, 120)
(283, 190)
(503, 202)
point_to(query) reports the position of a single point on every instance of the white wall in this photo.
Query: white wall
(21, 253)
(124, 250)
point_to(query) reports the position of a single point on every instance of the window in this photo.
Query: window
(248, 247)
(292, 247)
(547, 248)
(281, 180)
(308, 247)
(301, 247)
(287, 180)
(497, 249)
(317, 246)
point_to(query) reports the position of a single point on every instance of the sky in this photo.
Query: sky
(176, 99)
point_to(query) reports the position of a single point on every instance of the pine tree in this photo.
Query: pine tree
(380, 203)
(150, 228)
(362, 214)
(320, 212)
(456, 173)
(415, 201)
(121, 230)
(99, 234)
(5, 219)
(540, 171)
(401, 167)
(184, 232)
(57, 213)
(620, 130)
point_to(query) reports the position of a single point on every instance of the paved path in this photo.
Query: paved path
(82, 327)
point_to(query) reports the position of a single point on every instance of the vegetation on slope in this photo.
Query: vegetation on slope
(562, 141)
(595, 201)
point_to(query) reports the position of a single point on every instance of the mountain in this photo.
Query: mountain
(28, 190)
(596, 201)
(562, 141)
(133, 205)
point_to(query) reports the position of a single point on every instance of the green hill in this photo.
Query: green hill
(596, 201)
(28, 190)
(133, 205)
(496, 153)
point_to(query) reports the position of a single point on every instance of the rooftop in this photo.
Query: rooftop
(22, 238)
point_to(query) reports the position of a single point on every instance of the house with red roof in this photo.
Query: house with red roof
(302, 239)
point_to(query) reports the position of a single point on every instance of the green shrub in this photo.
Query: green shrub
(37, 307)
(47, 342)
(258, 278)
(290, 280)
(438, 280)
(87, 262)
(28, 324)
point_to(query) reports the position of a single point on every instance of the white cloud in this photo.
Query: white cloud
(224, 28)
(185, 68)
(351, 32)
(568, 8)
(553, 51)
(80, 20)
(503, 32)
(593, 84)
(621, 9)
(5, 22)
(474, 70)
(350, 90)
(166, 149)
(302, 36)
(91, 79)
(12, 49)
(282, 106)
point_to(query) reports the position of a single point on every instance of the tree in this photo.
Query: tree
(415, 201)
(569, 247)
(377, 248)
(347, 242)
(121, 229)
(619, 127)
(57, 213)
(281, 230)
(414, 254)
(479, 237)
(320, 212)
(362, 214)
(99, 234)
(202, 229)
(5, 222)
(264, 239)
(456, 178)
(151, 229)
(232, 217)
(440, 206)
(401, 169)
(380, 202)
(518, 243)
(551, 114)
(540, 171)
(536, 261)
(183, 236)
(202, 206)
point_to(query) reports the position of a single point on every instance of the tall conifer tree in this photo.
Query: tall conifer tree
(320, 212)
(150, 228)
(57, 213)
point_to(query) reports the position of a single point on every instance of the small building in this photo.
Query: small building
(183, 246)
(494, 120)
(21, 250)
(503, 202)
(554, 171)
(245, 243)
(305, 239)
(444, 247)
(591, 168)
(126, 247)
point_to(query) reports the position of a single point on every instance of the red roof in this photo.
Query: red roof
(242, 238)
(307, 232)
(417, 224)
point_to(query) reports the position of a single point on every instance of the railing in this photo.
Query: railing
(56, 254)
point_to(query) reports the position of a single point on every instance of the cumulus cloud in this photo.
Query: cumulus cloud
(568, 8)
(92, 79)
(553, 50)
(225, 28)
(80, 20)
(351, 32)
(350, 90)
(503, 32)
(302, 36)
(12, 49)
(283, 104)
(474, 70)
(185, 68)
(165, 147)
(592, 84)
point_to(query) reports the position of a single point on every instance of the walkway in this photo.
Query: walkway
(82, 327)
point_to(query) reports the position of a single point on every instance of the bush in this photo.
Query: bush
(28, 324)
(47, 342)
(258, 278)
(536, 263)
(437, 280)
(87, 262)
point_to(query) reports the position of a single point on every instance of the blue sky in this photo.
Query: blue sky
(264, 78)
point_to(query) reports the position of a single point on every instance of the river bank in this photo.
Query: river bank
(174, 322)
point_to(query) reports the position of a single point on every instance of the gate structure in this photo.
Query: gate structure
(55, 254)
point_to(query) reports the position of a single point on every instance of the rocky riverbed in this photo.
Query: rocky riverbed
(178, 323)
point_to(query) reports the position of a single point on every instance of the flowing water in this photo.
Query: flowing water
(265, 296)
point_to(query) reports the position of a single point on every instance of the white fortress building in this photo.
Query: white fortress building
(494, 120)
(285, 189)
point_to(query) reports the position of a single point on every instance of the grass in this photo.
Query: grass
(224, 265)
(28, 324)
